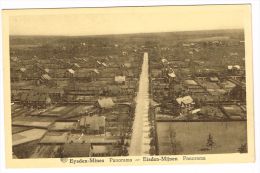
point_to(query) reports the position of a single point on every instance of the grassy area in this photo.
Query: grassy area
(192, 136)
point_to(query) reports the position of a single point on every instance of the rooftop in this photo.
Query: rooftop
(185, 100)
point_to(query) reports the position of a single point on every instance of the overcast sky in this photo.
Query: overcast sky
(126, 20)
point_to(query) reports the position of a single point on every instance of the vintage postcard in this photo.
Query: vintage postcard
(128, 86)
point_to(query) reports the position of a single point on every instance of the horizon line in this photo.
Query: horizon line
(12, 35)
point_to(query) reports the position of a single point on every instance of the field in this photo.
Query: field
(27, 136)
(192, 136)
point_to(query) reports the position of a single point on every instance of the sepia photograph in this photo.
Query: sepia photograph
(128, 85)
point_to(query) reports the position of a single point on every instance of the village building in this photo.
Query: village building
(105, 103)
(76, 66)
(46, 70)
(45, 79)
(120, 79)
(185, 104)
(214, 79)
(69, 73)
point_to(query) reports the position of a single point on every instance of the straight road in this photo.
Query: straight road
(140, 135)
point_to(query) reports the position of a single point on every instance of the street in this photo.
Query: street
(138, 146)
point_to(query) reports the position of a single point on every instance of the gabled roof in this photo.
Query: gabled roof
(96, 71)
(47, 70)
(46, 77)
(71, 71)
(104, 64)
(76, 65)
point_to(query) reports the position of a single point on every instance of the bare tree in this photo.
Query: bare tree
(175, 145)
(210, 141)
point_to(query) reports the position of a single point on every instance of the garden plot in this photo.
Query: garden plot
(27, 136)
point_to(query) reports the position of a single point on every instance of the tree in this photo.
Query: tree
(210, 141)
(175, 145)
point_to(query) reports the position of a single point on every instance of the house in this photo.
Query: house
(105, 103)
(127, 64)
(46, 70)
(76, 66)
(99, 63)
(185, 103)
(195, 111)
(191, 52)
(120, 79)
(124, 53)
(45, 78)
(104, 64)
(165, 61)
(69, 73)
(233, 54)
(22, 69)
(77, 150)
(172, 75)
(237, 67)
(190, 82)
(230, 67)
(186, 45)
(14, 58)
(214, 79)
(96, 71)
(234, 69)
